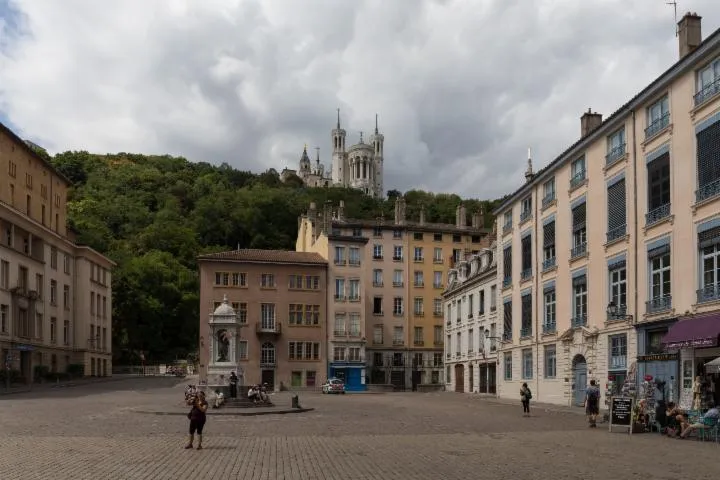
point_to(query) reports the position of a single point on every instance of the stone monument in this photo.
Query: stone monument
(223, 348)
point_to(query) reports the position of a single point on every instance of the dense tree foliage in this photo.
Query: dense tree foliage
(154, 214)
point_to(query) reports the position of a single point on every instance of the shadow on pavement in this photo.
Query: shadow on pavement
(84, 388)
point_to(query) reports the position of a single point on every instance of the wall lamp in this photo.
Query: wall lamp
(616, 312)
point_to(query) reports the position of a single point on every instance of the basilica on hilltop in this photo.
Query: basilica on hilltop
(360, 166)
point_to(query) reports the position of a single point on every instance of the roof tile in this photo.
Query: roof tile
(269, 256)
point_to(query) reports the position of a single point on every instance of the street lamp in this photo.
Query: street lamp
(615, 312)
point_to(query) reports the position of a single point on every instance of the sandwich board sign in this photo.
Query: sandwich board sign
(621, 412)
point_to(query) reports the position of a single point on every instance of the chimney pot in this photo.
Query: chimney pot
(689, 33)
(589, 122)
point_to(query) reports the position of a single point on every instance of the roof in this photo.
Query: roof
(661, 82)
(19, 141)
(265, 256)
(406, 225)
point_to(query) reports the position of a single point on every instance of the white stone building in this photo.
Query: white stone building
(472, 330)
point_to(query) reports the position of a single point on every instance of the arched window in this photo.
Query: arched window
(267, 354)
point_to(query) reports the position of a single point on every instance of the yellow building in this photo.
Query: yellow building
(386, 282)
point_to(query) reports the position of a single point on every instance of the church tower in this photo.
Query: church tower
(377, 141)
(304, 164)
(339, 174)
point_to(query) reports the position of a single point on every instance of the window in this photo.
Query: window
(437, 360)
(239, 279)
(708, 82)
(437, 280)
(418, 254)
(339, 354)
(471, 336)
(340, 326)
(493, 298)
(339, 255)
(658, 117)
(549, 245)
(654, 341)
(507, 266)
(579, 231)
(397, 233)
(577, 172)
(397, 253)
(242, 313)
(437, 335)
(507, 320)
(618, 352)
(417, 236)
(507, 221)
(549, 320)
(437, 307)
(267, 280)
(548, 192)
(617, 227)
(267, 315)
(53, 258)
(354, 354)
(295, 314)
(708, 162)
(526, 254)
(310, 377)
(660, 283)
(39, 285)
(437, 255)
(418, 309)
(66, 332)
(527, 364)
(66, 297)
(615, 147)
(493, 335)
(456, 238)
(267, 354)
(709, 244)
(377, 278)
(377, 231)
(354, 325)
(481, 302)
(618, 288)
(418, 338)
(471, 305)
(508, 365)
(4, 309)
(377, 306)
(550, 361)
(526, 209)
(53, 330)
(658, 171)
(340, 289)
(357, 232)
(378, 334)
(458, 344)
(579, 304)
(437, 237)
(398, 336)
(66, 264)
(53, 295)
(354, 256)
(4, 274)
(526, 315)
(303, 351)
(456, 255)
(354, 290)
(39, 323)
(398, 278)
(397, 306)
(419, 280)
(377, 251)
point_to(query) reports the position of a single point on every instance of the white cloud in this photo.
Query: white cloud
(462, 87)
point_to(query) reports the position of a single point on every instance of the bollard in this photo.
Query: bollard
(295, 402)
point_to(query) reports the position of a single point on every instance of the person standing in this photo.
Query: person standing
(592, 403)
(525, 396)
(233, 385)
(197, 419)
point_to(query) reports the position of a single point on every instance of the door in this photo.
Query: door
(268, 376)
(580, 379)
(492, 381)
(397, 378)
(25, 365)
(471, 380)
(483, 380)
(416, 379)
(459, 378)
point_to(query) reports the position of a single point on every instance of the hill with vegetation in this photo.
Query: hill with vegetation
(154, 214)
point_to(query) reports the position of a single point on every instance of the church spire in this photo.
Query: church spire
(376, 124)
(338, 122)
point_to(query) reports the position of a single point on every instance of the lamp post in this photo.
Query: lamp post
(616, 312)
(497, 360)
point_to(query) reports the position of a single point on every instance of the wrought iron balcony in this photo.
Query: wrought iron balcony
(707, 93)
(618, 361)
(577, 179)
(398, 342)
(578, 250)
(354, 262)
(419, 283)
(340, 261)
(397, 259)
(507, 228)
(619, 313)
(617, 232)
(340, 333)
(377, 257)
(657, 214)
(397, 284)
(709, 293)
(549, 327)
(614, 155)
(525, 332)
(659, 304)
(548, 263)
(418, 259)
(507, 336)
(525, 215)
(710, 190)
(378, 284)
(507, 281)
(267, 363)
(548, 199)
(655, 127)
(271, 328)
(526, 274)
(579, 321)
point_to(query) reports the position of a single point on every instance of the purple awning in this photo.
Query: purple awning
(694, 332)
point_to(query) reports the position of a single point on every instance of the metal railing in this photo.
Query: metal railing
(708, 293)
(657, 214)
(614, 155)
(548, 263)
(549, 327)
(577, 179)
(709, 190)
(707, 93)
(617, 232)
(578, 321)
(659, 304)
(656, 126)
(578, 250)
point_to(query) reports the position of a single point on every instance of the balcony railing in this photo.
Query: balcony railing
(614, 155)
(525, 215)
(707, 92)
(657, 214)
(507, 281)
(340, 333)
(577, 179)
(437, 260)
(398, 342)
(267, 327)
(397, 259)
(507, 336)
(549, 327)
(418, 259)
(618, 361)
(579, 321)
(525, 332)
(377, 257)
(659, 304)
(378, 284)
(617, 232)
(397, 284)
(655, 127)
(548, 199)
(354, 262)
(340, 261)
(619, 314)
(710, 190)
(419, 283)
(578, 250)
(548, 263)
(437, 314)
(709, 293)
(507, 228)
(526, 274)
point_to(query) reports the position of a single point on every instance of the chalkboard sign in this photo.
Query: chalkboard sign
(621, 412)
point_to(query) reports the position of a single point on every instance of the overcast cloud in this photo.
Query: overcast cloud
(462, 87)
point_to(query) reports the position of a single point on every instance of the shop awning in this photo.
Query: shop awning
(713, 366)
(694, 332)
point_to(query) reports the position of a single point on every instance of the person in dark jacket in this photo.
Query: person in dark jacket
(197, 419)
(233, 385)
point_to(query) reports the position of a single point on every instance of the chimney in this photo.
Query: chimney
(460, 216)
(341, 210)
(689, 34)
(327, 218)
(399, 211)
(422, 214)
(312, 212)
(589, 122)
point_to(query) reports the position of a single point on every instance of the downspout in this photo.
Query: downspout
(636, 309)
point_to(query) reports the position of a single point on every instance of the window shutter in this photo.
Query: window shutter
(526, 311)
(507, 262)
(708, 154)
(708, 238)
(659, 251)
(507, 317)
(549, 235)
(580, 280)
(578, 217)
(659, 182)
(616, 205)
(527, 252)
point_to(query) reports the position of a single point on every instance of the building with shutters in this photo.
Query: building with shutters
(609, 257)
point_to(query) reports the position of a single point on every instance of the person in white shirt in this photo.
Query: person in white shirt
(713, 413)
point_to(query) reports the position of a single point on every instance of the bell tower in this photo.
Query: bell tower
(338, 155)
(378, 140)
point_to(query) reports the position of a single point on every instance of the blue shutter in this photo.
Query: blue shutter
(616, 206)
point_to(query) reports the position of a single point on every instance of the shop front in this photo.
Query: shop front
(697, 339)
(653, 361)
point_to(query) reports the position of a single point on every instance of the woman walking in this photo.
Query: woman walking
(525, 396)
(197, 419)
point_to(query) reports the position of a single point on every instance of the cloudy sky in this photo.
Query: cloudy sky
(462, 87)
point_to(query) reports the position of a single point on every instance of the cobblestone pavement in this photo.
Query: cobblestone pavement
(94, 431)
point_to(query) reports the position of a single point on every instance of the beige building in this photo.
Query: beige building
(386, 283)
(597, 299)
(276, 330)
(55, 295)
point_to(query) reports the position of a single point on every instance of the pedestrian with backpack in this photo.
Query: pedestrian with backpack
(525, 396)
(592, 403)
